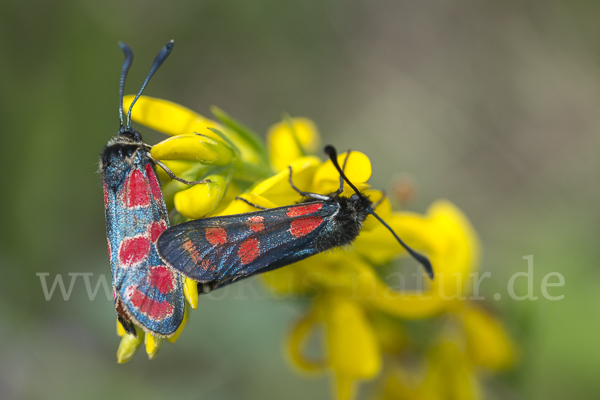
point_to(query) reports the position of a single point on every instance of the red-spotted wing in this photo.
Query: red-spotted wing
(226, 248)
(144, 288)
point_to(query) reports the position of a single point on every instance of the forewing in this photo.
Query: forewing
(151, 293)
(225, 248)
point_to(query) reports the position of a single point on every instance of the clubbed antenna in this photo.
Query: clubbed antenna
(332, 153)
(160, 58)
(126, 64)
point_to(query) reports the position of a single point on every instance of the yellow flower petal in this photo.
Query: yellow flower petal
(291, 139)
(230, 194)
(198, 148)
(190, 290)
(450, 375)
(170, 189)
(408, 305)
(168, 117)
(153, 345)
(345, 387)
(296, 340)
(358, 170)
(201, 199)
(352, 345)
(390, 333)
(313, 273)
(129, 345)
(488, 343)
(291, 279)
(351, 277)
(400, 384)
(186, 317)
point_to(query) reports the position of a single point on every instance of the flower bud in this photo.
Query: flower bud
(197, 147)
(167, 117)
(129, 345)
(292, 139)
(200, 200)
(153, 344)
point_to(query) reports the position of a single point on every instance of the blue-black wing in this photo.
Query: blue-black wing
(150, 293)
(222, 249)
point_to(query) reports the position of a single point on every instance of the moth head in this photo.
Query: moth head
(359, 197)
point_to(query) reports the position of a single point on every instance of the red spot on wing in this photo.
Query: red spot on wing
(303, 226)
(192, 250)
(249, 250)
(109, 250)
(256, 223)
(156, 310)
(154, 186)
(156, 228)
(207, 265)
(162, 278)
(298, 211)
(216, 236)
(137, 193)
(133, 250)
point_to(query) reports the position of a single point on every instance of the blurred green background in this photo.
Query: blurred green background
(493, 105)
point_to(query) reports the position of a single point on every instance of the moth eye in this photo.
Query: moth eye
(354, 197)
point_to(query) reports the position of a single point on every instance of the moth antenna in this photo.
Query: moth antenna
(160, 58)
(424, 261)
(124, 71)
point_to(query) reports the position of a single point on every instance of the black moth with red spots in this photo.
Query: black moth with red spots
(145, 291)
(216, 251)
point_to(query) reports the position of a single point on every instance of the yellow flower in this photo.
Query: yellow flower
(447, 237)
(211, 194)
(487, 342)
(291, 139)
(200, 148)
(445, 374)
(452, 362)
(129, 343)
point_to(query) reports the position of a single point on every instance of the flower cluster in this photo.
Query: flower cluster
(365, 322)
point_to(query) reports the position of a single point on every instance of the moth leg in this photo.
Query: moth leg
(206, 287)
(250, 203)
(378, 202)
(341, 188)
(175, 177)
(306, 194)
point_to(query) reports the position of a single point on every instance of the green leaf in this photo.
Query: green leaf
(244, 133)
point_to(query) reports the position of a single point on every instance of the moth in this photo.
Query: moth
(146, 292)
(216, 251)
